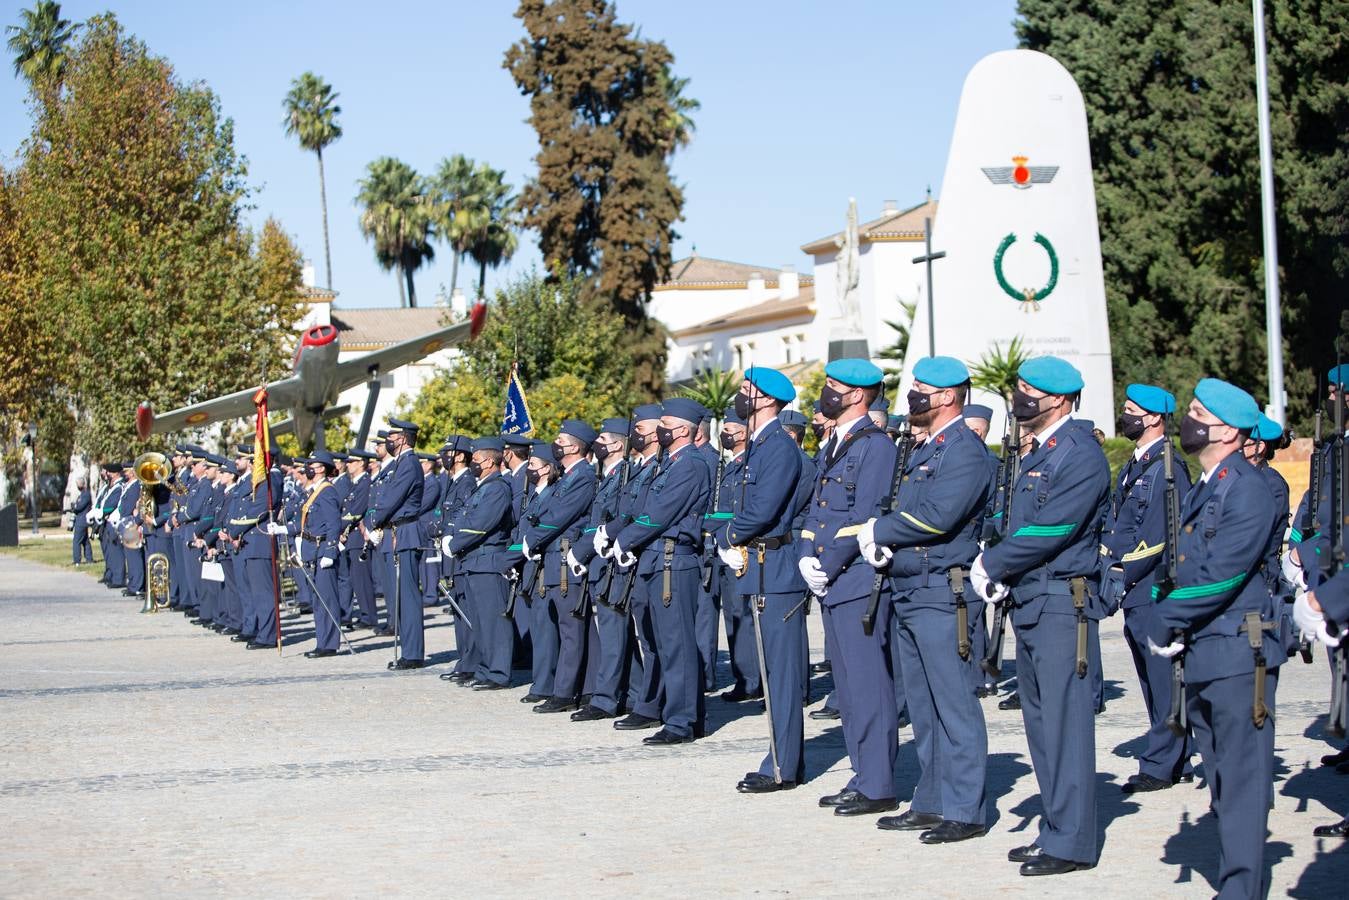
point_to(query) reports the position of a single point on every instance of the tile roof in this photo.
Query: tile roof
(768, 311)
(385, 326)
(704, 270)
(900, 225)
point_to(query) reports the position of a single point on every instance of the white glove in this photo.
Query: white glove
(115, 518)
(623, 557)
(1312, 624)
(341, 546)
(1170, 651)
(988, 590)
(816, 578)
(298, 540)
(575, 564)
(274, 528)
(867, 535)
(601, 541)
(445, 545)
(878, 555)
(1292, 571)
(524, 548)
(732, 557)
(325, 563)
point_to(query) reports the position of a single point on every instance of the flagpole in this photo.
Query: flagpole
(1273, 314)
(264, 437)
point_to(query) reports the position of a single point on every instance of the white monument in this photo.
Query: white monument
(1018, 223)
(846, 338)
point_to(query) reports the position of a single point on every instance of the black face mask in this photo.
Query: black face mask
(1024, 406)
(1193, 435)
(831, 403)
(475, 470)
(1131, 426)
(743, 406)
(601, 452)
(727, 440)
(637, 441)
(532, 476)
(919, 402)
(559, 451)
(819, 431)
(664, 436)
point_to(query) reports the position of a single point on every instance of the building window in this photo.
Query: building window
(740, 357)
(787, 350)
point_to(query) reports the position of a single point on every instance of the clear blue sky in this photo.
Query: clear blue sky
(803, 105)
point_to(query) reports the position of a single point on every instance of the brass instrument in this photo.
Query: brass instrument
(151, 470)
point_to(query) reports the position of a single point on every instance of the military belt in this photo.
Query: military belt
(772, 543)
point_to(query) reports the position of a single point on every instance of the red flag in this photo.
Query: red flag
(262, 440)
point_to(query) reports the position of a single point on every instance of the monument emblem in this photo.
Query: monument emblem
(1029, 298)
(1019, 175)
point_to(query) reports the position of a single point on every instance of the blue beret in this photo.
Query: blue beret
(855, 372)
(361, 454)
(792, 417)
(1051, 375)
(1229, 403)
(517, 441)
(682, 408)
(397, 425)
(977, 411)
(1151, 398)
(1266, 429)
(771, 382)
(579, 430)
(1339, 376)
(489, 443)
(615, 426)
(940, 371)
(880, 404)
(646, 411)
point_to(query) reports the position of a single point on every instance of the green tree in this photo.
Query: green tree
(39, 47)
(457, 208)
(996, 370)
(396, 216)
(1170, 94)
(125, 214)
(895, 352)
(311, 115)
(714, 389)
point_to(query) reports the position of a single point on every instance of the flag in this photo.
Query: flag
(516, 420)
(262, 440)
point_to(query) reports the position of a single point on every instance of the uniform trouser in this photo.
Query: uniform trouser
(543, 625)
(650, 690)
(260, 599)
(493, 634)
(673, 627)
(618, 668)
(782, 657)
(192, 574)
(948, 723)
(411, 623)
(1060, 721)
(1164, 755)
(430, 577)
(177, 571)
(208, 601)
(362, 586)
(1239, 766)
(135, 569)
(979, 639)
(231, 594)
(740, 641)
(466, 636)
(864, 693)
(901, 699)
(571, 633)
(304, 594)
(344, 595)
(379, 567)
(105, 544)
(705, 626)
(81, 550)
(326, 635)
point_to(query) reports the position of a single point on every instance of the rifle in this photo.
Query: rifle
(1308, 525)
(1010, 472)
(1176, 718)
(903, 448)
(709, 536)
(1339, 502)
(610, 515)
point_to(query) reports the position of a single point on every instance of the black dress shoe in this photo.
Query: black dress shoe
(829, 801)
(258, 645)
(457, 677)
(1187, 778)
(241, 638)
(1143, 783)
(1340, 829)
(319, 654)
(1012, 701)
(636, 722)
(402, 665)
(229, 630)
(985, 691)
(865, 806)
(216, 627)
(1334, 759)
(820, 668)
(1024, 854)
(129, 593)
(199, 621)
(666, 738)
(532, 697)
(591, 714)
(1044, 864)
(756, 783)
(384, 632)
(909, 821)
(950, 832)
(555, 705)
(490, 686)
(824, 712)
(739, 695)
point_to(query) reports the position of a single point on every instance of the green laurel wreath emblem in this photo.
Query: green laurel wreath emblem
(1028, 297)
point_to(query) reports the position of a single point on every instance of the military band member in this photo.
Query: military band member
(254, 552)
(526, 573)
(318, 527)
(926, 544)
(1048, 561)
(196, 507)
(354, 507)
(1220, 616)
(128, 516)
(342, 489)
(745, 684)
(853, 478)
(1132, 541)
(456, 454)
(396, 514)
(428, 520)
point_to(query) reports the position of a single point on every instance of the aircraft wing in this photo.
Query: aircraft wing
(354, 371)
(281, 394)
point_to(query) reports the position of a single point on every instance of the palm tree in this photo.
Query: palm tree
(493, 241)
(397, 217)
(996, 370)
(678, 123)
(311, 114)
(39, 47)
(714, 389)
(458, 208)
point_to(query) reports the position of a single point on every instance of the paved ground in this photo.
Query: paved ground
(142, 756)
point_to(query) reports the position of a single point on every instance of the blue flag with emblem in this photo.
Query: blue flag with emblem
(516, 419)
